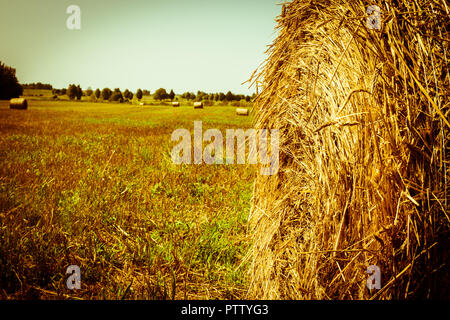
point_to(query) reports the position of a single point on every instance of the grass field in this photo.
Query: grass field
(93, 184)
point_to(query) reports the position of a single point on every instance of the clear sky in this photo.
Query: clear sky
(184, 45)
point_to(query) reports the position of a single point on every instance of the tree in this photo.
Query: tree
(72, 91)
(229, 96)
(160, 94)
(146, 92)
(201, 96)
(9, 85)
(139, 94)
(188, 95)
(171, 95)
(97, 93)
(89, 92)
(106, 93)
(127, 94)
(117, 95)
(79, 92)
(221, 96)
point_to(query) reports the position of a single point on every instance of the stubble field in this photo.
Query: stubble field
(93, 185)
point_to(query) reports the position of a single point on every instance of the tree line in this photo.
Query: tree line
(218, 96)
(11, 88)
(75, 92)
(38, 85)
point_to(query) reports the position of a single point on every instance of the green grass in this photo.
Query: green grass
(92, 184)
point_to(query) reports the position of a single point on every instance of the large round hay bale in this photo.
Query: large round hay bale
(175, 104)
(242, 111)
(198, 105)
(364, 154)
(18, 103)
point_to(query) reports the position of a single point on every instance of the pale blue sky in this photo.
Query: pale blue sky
(184, 45)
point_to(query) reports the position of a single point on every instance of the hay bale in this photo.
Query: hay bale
(242, 111)
(198, 105)
(18, 103)
(175, 104)
(141, 103)
(364, 154)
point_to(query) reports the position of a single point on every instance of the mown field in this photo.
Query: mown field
(93, 184)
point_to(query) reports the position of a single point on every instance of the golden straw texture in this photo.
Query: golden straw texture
(364, 153)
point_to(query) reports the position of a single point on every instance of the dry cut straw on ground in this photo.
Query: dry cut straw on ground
(364, 159)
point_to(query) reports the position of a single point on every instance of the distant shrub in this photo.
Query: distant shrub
(208, 103)
(89, 92)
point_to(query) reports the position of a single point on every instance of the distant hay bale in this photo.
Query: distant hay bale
(141, 103)
(242, 111)
(18, 103)
(198, 105)
(364, 154)
(175, 104)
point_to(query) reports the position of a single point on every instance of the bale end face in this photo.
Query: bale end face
(18, 103)
(242, 112)
(198, 105)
